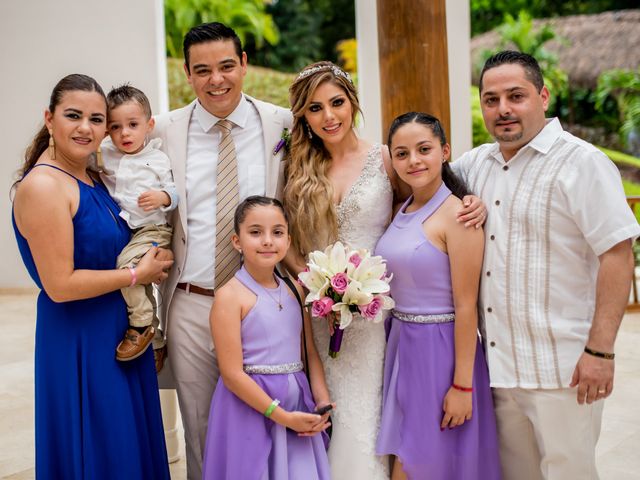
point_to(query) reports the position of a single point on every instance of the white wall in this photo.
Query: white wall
(458, 32)
(41, 41)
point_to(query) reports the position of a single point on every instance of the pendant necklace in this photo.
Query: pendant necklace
(278, 301)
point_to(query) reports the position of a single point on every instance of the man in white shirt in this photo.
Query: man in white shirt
(557, 272)
(215, 66)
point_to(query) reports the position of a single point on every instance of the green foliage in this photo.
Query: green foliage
(338, 23)
(247, 17)
(487, 14)
(262, 83)
(479, 131)
(520, 33)
(624, 87)
(300, 42)
(310, 29)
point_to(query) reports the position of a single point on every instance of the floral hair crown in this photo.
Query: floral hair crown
(337, 71)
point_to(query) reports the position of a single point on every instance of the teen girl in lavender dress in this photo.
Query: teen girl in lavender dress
(437, 418)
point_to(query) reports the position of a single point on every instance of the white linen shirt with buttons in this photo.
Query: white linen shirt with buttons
(202, 158)
(126, 176)
(553, 209)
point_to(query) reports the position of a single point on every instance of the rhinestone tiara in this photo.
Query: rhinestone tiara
(337, 71)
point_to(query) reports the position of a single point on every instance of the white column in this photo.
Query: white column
(369, 70)
(458, 43)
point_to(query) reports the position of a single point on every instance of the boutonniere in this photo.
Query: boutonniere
(284, 141)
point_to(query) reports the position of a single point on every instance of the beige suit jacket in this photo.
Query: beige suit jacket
(172, 128)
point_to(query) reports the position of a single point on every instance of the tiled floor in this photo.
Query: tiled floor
(618, 449)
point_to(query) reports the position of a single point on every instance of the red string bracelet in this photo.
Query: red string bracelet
(462, 389)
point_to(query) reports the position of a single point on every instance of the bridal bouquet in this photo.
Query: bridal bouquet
(348, 282)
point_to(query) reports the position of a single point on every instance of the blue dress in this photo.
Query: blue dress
(95, 418)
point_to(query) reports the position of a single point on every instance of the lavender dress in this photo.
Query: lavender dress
(242, 443)
(420, 362)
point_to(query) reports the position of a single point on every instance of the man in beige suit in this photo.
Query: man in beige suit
(215, 66)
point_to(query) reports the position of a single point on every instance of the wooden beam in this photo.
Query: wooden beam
(414, 73)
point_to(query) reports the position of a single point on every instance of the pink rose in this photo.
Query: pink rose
(355, 259)
(322, 307)
(339, 282)
(371, 309)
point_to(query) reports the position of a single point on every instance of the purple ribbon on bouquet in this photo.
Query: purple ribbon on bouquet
(335, 342)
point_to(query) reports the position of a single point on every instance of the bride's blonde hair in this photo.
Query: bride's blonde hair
(308, 194)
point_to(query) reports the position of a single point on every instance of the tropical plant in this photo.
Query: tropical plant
(624, 87)
(300, 42)
(247, 17)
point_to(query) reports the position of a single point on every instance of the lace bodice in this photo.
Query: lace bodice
(365, 211)
(355, 377)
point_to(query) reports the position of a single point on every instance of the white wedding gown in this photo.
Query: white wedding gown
(354, 378)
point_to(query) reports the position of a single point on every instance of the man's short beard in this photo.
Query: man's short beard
(509, 137)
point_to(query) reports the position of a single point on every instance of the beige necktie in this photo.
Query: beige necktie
(227, 258)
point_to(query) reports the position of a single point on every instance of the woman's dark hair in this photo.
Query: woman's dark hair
(255, 201)
(453, 183)
(40, 142)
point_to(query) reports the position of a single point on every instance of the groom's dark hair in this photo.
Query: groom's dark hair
(210, 32)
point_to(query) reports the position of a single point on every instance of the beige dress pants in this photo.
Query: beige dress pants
(141, 304)
(545, 434)
(195, 369)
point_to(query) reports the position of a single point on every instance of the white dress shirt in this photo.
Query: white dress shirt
(202, 157)
(553, 209)
(126, 176)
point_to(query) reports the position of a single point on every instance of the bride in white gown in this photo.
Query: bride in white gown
(339, 187)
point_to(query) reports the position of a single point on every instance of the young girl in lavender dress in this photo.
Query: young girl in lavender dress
(261, 424)
(437, 416)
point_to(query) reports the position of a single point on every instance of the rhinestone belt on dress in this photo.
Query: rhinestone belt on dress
(414, 318)
(273, 369)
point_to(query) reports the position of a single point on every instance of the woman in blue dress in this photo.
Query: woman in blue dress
(95, 417)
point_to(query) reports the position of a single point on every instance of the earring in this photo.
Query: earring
(52, 146)
(99, 162)
(240, 251)
(309, 132)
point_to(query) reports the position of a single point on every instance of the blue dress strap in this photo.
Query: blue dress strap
(52, 166)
